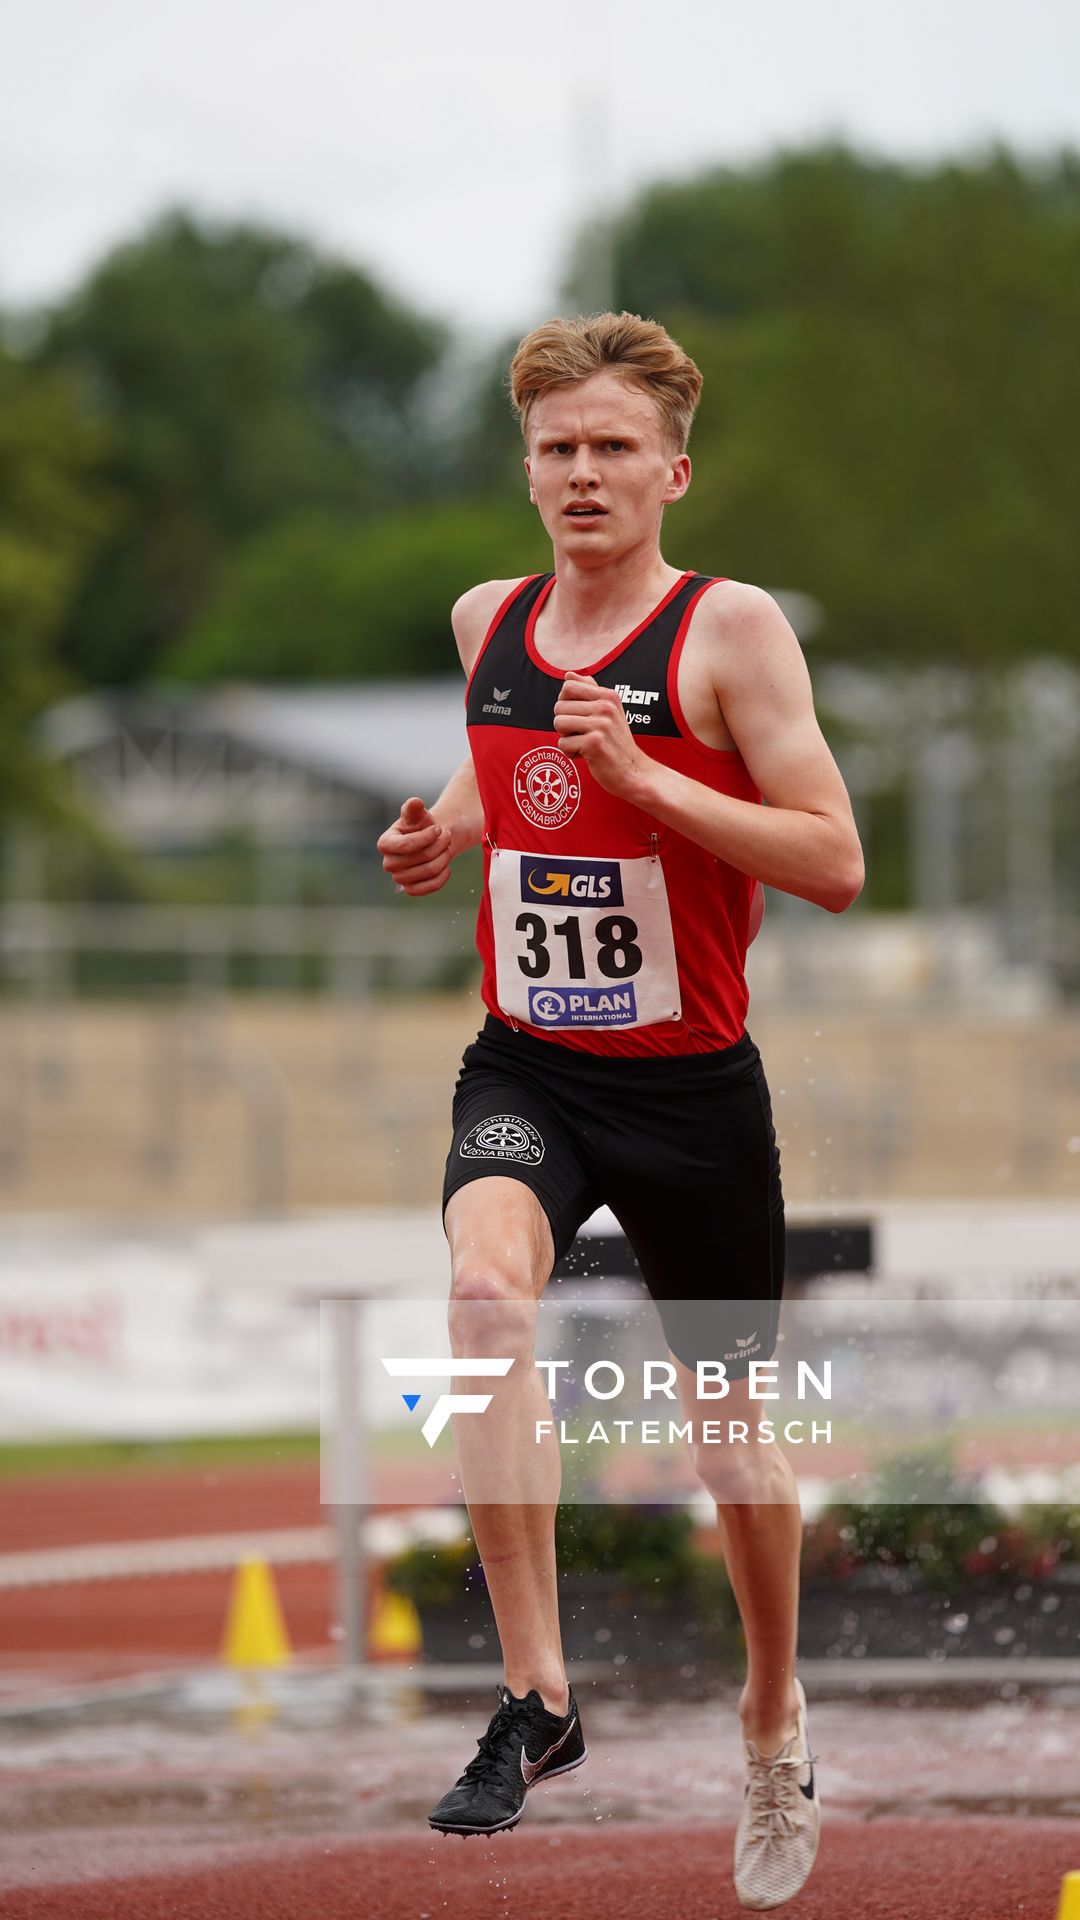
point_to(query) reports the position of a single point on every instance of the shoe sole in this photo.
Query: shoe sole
(503, 1826)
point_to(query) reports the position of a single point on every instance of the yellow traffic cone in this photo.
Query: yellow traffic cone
(394, 1633)
(255, 1633)
(1069, 1905)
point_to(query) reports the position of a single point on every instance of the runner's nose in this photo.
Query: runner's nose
(585, 473)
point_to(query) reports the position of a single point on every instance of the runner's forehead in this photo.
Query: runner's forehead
(605, 407)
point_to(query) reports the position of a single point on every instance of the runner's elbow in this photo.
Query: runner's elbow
(846, 886)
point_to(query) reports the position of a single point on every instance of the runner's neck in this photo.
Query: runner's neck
(590, 609)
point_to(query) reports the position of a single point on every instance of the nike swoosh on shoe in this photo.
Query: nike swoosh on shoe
(530, 1768)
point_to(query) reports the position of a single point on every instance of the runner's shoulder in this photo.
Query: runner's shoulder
(742, 625)
(473, 613)
(729, 604)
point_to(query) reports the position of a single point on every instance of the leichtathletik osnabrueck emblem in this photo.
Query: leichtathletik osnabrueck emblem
(547, 787)
(506, 1136)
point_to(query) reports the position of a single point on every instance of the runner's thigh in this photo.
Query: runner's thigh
(506, 1131)
(697, 1191)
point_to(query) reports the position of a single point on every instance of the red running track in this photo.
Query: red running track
(147, 1619)
(938, 1869)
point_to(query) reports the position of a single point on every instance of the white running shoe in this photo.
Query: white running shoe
(780, 1825)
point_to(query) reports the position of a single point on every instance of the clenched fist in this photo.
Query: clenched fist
(591, 723)
(416, 849)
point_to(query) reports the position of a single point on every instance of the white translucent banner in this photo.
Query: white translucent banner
(604, 1398)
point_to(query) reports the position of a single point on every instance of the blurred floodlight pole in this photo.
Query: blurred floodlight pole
(933, 822)
(350, 1475)
(1029, 853)
(593, 290)
(933, 795)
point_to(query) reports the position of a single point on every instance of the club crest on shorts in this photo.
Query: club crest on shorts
(547, 787)
(506, 1136)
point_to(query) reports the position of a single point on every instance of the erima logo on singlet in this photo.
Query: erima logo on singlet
(587, 882)
(637, 697)
(496, 706)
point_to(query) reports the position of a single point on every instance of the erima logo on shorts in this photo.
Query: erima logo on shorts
(506, 1136)
(744, 1348)
(591, 882)
(582, 1006)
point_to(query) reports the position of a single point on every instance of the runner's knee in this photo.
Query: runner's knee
(739, 1473)
(492, 1308)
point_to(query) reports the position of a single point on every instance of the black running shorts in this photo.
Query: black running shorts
(682, 1150)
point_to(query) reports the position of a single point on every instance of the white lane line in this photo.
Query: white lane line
(384, 1534)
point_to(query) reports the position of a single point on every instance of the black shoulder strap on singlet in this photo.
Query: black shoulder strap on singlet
(508, 689)
(640, 671)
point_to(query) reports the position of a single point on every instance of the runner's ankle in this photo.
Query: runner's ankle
(555, 1694)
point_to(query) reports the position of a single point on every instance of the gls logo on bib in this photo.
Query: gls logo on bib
(595, 883)
(546, 787)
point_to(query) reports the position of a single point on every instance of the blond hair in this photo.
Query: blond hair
(563, 351)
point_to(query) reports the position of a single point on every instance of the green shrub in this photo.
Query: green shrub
(650, 1547)
(946, 1539)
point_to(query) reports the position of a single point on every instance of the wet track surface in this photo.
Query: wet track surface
(212, 1802)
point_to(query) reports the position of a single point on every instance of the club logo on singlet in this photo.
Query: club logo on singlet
(505, 1136)
(546, 787)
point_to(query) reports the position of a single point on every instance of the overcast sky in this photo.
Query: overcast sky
(451, 147)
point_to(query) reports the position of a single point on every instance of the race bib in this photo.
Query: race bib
(582, 943)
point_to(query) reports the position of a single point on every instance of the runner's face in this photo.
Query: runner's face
(598, 445)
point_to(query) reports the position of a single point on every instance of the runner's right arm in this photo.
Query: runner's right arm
(418, 848)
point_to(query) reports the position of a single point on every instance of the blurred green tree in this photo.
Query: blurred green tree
(53, 513)
(890, 368)
(242, 377)
(317, 598)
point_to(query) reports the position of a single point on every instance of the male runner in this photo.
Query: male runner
(626, 720)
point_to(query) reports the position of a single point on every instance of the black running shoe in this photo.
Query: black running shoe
(524, 1744)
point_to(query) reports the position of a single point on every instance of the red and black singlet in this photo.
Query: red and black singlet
(600, 928)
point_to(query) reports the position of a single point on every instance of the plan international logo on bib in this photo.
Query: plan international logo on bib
(583, 883)
(581, 1006)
